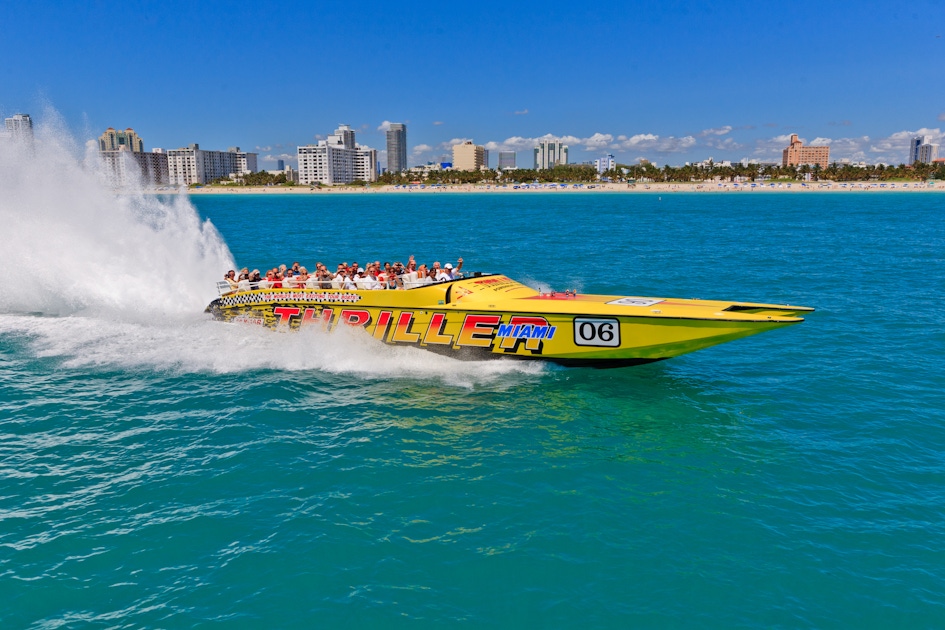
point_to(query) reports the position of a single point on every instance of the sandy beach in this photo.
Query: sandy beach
(795, 187)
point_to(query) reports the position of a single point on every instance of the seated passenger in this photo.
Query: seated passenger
(338, 280)
(230, 277)
(324, 278)
(243, 284)
(349, 283)
(254, 279)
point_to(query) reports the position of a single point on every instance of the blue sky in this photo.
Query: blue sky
(667, 81)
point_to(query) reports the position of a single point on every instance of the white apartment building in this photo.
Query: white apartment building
(19, 127)
(549, 154)
(245, 162)
(604, 164)
(337, 160)
(193, 165)
(928, 153)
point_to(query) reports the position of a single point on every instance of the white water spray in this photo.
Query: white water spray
(69, 243)
(127, 275)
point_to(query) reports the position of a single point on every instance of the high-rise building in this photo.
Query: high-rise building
(549, 154)
(126, 140)
(280, 165)
(485, 158)
(468, 156)
(506, 159)
(797, 154)
(922, 150)
(337, 160)
(397, 148)
(19, 127)
(193, 165)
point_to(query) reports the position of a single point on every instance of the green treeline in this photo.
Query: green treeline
(646, 172)
(689, 173)
(262, 178)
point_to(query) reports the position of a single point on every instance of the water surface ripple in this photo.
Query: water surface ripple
(162, 470)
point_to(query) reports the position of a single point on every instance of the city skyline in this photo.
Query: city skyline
(683, 84)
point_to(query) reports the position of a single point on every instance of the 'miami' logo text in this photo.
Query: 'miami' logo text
(528, 330)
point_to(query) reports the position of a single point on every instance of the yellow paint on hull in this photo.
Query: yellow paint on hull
(494, 316)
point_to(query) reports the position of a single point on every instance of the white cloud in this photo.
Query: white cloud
(384, 126)
(280, 156)
(421, 148)
(653, 142)
(724, 144)
(449, 143)
(820, 142)
(598, 141)
(515, 143)
(716, 131)
(852, 148)
(522, 112)
(899, 141)
(437, 123)
(770, 149)
(264, 149)
(602, 142)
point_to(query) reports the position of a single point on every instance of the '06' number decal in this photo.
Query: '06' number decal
(593, 331)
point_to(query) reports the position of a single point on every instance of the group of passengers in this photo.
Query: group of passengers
(350, 277)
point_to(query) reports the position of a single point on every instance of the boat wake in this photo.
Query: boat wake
(106, 278)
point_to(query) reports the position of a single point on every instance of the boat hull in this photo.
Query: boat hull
(495, 317)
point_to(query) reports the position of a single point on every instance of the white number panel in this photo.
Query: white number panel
(596, 331)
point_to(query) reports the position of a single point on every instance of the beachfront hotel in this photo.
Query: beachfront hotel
(337, 160)
(193, 165)
(922, 150)
(19, 127)
(397, 148)
(549, 154)
(468, 156)
(796, 154)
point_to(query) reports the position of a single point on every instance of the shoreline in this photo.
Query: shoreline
(796, 187)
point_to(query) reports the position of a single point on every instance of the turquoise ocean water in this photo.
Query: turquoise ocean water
(161, 470)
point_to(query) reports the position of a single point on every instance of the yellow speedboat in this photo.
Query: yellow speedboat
(491, 316)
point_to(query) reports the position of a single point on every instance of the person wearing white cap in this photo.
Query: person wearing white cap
(445, 274)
